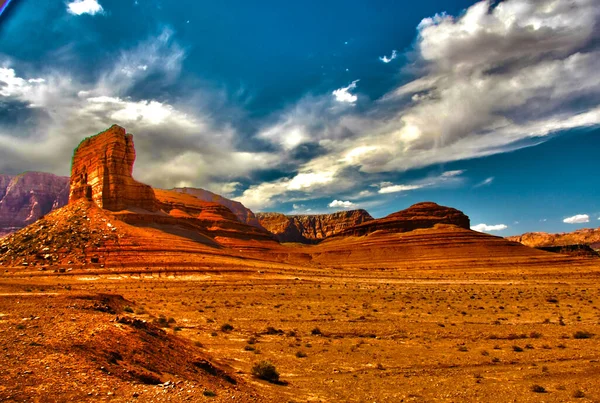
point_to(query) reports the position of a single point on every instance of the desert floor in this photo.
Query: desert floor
(504, 335)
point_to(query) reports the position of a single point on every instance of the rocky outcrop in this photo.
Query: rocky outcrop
(4, 181)
(310, 228)
(102, 169)
(27, 197)
(420, 215)
(585, 236)
(243, 214)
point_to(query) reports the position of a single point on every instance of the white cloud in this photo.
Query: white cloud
(488, 228)
(386, 59)
(485, 182)
(577, 219)
(79, 7)
(341, 204)
(398, 188)
(343, 94)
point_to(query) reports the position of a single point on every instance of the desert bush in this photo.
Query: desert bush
(517, 348)
(128, 309)
(316, 332)
(578, 394)
(226, 327)
(265, 370)
(538, 389)
(582, 335)
(300, 354)
(209, 393)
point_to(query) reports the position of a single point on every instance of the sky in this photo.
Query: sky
(491, 107)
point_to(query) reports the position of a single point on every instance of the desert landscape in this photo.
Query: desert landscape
(342, 201)
(131, 293)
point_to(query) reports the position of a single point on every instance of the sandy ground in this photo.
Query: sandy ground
(508, 334)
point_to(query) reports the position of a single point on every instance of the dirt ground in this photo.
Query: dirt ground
(508, 334)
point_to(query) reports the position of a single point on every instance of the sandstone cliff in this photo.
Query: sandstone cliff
(243, 214)
(27, 197)
(420, 215)
(102, 169)
(310, 228)
(586, 236)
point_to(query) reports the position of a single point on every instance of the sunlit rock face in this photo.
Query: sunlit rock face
(102, 169)
(311, 228)
(417, 216)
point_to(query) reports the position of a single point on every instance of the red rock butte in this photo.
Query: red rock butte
(102, 170)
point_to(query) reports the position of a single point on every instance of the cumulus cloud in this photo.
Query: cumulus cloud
(577, 219)
(488, 228)
(343, 94)
(341, 204)
(386, 59)
(79, 7)
(177, 145)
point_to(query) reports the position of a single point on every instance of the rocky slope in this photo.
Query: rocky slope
(311, 228)
(102, 169)
(586, 236)
(27, 197)
(243, 214)
(420, 215)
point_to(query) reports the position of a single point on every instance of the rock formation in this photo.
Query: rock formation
(585, 236)
(27, 197)
(420, 215)
(243, 214)
(310, 228)
(102, 169)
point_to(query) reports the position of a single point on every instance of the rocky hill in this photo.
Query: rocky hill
(243, 214)
(27, 197)
(586, 236)
(311, 228)
(417, 216)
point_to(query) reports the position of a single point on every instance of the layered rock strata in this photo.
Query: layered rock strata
(311, 228)
(102, 172)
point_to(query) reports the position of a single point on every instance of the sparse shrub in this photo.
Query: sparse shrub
(209, 393)
(300, 354)
(463, 349)
(249, 348)
(316, 332)
(538, 389)
(535, 335)
(226, 327)
(252, 340)
(272, 331)
(265, 370)
(517, 348)
(552, 300)
(578, 394)
(128, 309)
(582, 335)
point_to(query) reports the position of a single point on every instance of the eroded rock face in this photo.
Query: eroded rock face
(420, 215)
(102, 169)
(585, 236)
(243, 214)
(27, 197)
(311, 228)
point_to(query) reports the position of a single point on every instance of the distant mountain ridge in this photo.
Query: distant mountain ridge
(26, 197)
(311, 228)
(585, 236)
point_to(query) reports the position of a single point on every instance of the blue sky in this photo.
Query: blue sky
(492, 107)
